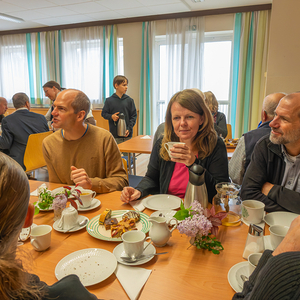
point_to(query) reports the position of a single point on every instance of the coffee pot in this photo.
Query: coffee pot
(121, 125)
(196, 188)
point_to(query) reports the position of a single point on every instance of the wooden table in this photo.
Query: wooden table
(136, 145)
(183, 273)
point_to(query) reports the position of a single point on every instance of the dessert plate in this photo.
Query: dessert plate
(80, 219)
(233, 273)
(98, 231)
(90, 265)
(280, 218)
(162, 202)
(119, 251)
(95, 203)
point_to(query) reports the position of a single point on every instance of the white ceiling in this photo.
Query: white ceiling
(42, 13)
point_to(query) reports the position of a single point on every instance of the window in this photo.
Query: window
(216, 75)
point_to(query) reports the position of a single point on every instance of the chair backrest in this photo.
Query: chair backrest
(125, 166)
(229, 132)
(33, 157)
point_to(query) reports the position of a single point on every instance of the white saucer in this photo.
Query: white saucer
(95, 203)
(243, 270)
(119, 251)
(261, 224)
(232, 279)
(80, 218)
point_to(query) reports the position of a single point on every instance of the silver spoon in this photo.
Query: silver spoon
(244, 278)
(82, 223)
(134, 259)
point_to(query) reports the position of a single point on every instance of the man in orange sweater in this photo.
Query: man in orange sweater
(79, 153)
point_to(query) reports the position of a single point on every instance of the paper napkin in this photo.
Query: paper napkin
(36, 193)
(137, 205)
(132, 279)
(146, 137)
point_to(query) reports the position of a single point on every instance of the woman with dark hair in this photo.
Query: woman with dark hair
(51, 90)
(189, 121)
(218, 117)
(15, 282)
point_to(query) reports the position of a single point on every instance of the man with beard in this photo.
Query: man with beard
(273, 173)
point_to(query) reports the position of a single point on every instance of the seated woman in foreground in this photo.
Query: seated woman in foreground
(189, 121)
(15, 282)
(277, 274)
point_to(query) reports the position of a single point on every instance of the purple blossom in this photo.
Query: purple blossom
(198, 224)
(60, 201)
(197, 208)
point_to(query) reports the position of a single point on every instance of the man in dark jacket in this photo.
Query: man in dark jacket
(242, 154)
(273, 175)
(3, 108)
(17, 127)
(118, 103)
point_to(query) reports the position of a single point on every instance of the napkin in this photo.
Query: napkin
(36, 192)
(137, 205)
(132, 279)
(146, 137)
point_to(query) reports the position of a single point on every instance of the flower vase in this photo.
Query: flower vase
(57, 213)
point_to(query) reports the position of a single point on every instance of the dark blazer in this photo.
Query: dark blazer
(16, 129)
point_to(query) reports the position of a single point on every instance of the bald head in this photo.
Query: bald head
(3, 106)
(269, 105)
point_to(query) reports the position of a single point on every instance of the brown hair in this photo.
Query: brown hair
(81, 102)
(119, 79)
(211, 102)
(206, 138)
(51, 84)
(14, 198)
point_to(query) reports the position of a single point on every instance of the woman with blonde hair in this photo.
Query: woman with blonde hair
(218, 117)
(188, 121)
(15, 282)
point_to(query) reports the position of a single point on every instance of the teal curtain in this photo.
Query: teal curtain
(249, 65)
(145, 82)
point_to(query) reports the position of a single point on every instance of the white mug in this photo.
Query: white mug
(170, 145)
(86, 197)
(40, 237)
(133, 242)
(69, 218)
(277, 234)
(253, 260)
(253, 211)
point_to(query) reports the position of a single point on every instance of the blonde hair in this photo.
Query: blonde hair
(211, 101)
(206, 138)
(14, 198)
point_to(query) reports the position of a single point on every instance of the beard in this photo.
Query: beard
(285, 138)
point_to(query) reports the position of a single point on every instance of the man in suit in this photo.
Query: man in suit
(3, 108)
(17, 127)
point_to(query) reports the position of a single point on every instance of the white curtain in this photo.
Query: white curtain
(184, 53)
(13, 65)
(83, 60)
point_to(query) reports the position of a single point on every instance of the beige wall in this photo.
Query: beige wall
(283, 73)
(132, 41)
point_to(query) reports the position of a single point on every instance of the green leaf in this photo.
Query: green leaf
(181, 214)
(36, 210)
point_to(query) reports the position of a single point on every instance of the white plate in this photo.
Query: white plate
(25, 233)
(119, 251)
(280, 218)
(80, 218)
(95, 203)
(162, 202)
(61, 189)
(99, 232)
(232, 276)
(261, 224)
(90, 265)
(168, 214)
(243, 270)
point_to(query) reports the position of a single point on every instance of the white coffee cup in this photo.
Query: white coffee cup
(253, 211)
(253, 260)
(277, 234)
(69, 218)
(170, 145)
(40, 237)
(86, 197)
(133, 242)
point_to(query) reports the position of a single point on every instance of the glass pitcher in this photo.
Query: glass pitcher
(227, 200)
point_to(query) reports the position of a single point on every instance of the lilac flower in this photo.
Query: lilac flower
(195, 225)
(60, 201)
(196, 208)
